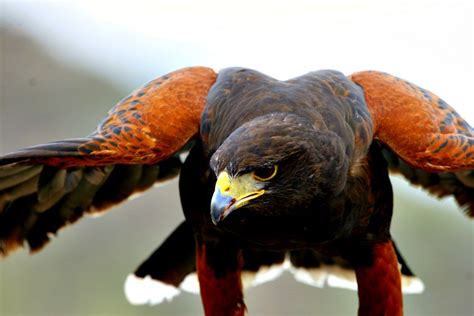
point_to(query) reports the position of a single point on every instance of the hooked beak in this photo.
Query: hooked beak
(232, 193)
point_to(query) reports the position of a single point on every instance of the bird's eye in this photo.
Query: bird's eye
(266, 173)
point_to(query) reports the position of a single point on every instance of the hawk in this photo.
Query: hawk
(290, 174)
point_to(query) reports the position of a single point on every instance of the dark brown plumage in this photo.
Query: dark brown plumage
(295, 168)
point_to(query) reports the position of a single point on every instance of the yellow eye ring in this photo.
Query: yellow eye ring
(265, 174)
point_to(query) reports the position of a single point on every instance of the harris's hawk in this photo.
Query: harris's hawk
(290, 174)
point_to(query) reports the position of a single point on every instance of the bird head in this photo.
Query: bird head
(276, 166)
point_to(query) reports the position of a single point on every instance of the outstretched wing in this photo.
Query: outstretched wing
(45, 187)
(426, 140)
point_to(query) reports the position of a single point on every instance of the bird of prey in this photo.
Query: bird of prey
(290, 174)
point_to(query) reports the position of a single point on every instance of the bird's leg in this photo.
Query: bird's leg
(219, 280)
(379, 283)
(218, 261)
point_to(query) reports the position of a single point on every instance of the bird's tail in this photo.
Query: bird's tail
(313, 268)
(172, 269)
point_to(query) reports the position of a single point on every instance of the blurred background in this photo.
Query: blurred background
(64, 64)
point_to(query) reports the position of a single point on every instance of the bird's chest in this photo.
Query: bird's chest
(324, 222)
(361, 212)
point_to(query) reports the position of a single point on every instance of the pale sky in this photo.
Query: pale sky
(427, 42)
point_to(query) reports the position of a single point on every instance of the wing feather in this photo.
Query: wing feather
(423, 138)
(416, 124)
(459, 184)
(46, 187)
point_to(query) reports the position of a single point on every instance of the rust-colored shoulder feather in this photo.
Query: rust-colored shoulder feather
(146, 127)
(46, 187)
(416, 124)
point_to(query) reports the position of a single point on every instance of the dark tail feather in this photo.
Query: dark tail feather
(172, 268)
(159, 277)
(173, 260)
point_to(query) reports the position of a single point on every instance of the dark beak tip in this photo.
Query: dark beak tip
(219, 214)
(215, 218)
(220, 207)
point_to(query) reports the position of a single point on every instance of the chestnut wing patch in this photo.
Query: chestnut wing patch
(416, 124)
(45, 187)
(150, 125)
